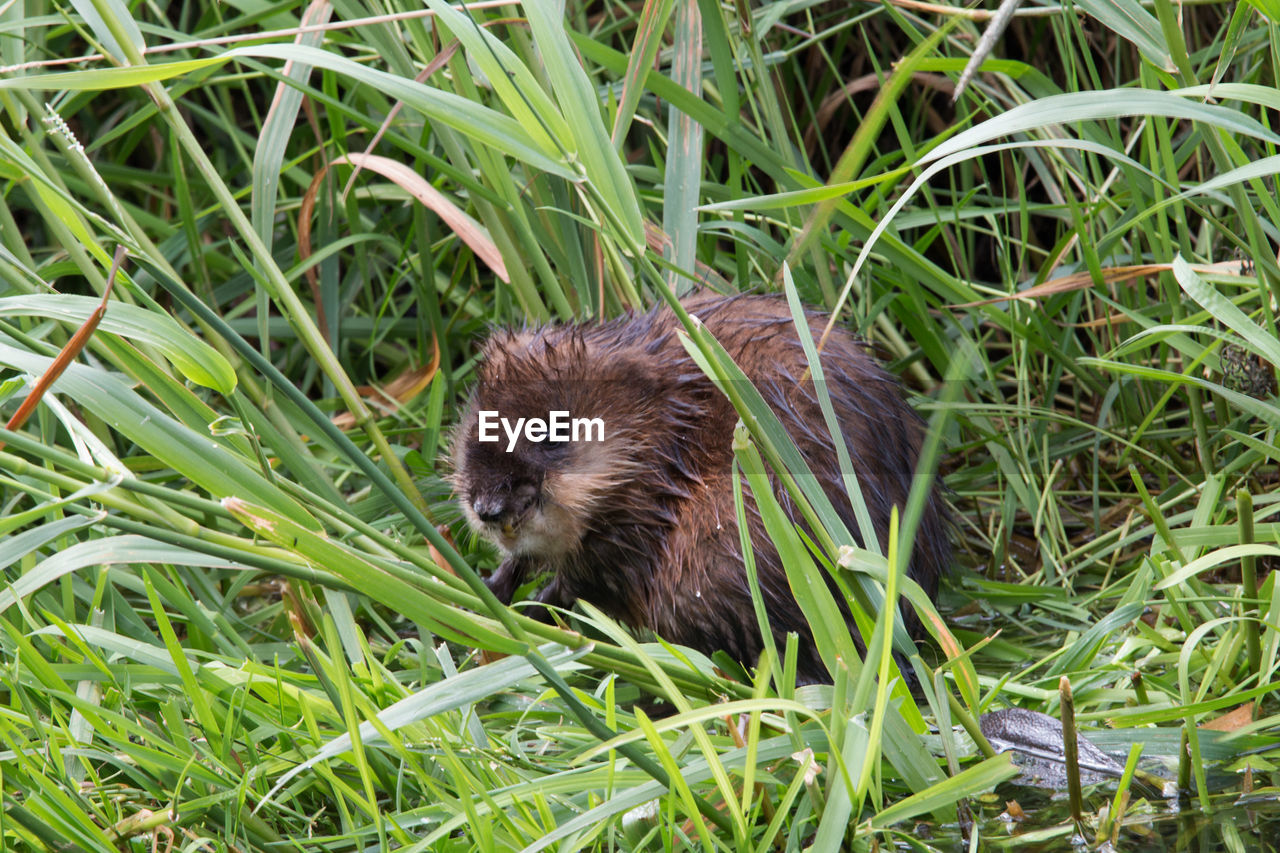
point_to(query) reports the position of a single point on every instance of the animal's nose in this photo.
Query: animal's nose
(490, 507)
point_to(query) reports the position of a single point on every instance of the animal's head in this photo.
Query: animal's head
(544, 439)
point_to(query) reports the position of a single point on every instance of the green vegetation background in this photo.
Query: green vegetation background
(229, 618)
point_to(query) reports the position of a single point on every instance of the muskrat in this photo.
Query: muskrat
(642, 523)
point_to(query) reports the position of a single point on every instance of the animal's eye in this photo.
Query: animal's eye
(554, 449)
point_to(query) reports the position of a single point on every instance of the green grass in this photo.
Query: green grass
(231, 624)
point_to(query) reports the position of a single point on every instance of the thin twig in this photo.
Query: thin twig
(266, 35)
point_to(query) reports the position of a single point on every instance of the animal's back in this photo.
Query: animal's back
(704, 593)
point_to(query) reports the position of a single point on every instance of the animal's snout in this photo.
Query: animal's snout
(491, 508)
(506, 507)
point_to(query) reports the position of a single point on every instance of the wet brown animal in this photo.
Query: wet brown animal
(642, 523)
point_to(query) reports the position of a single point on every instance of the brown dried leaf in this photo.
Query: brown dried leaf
(470, 231)
(1233, 720)
(389, 397)
(1112, 275)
